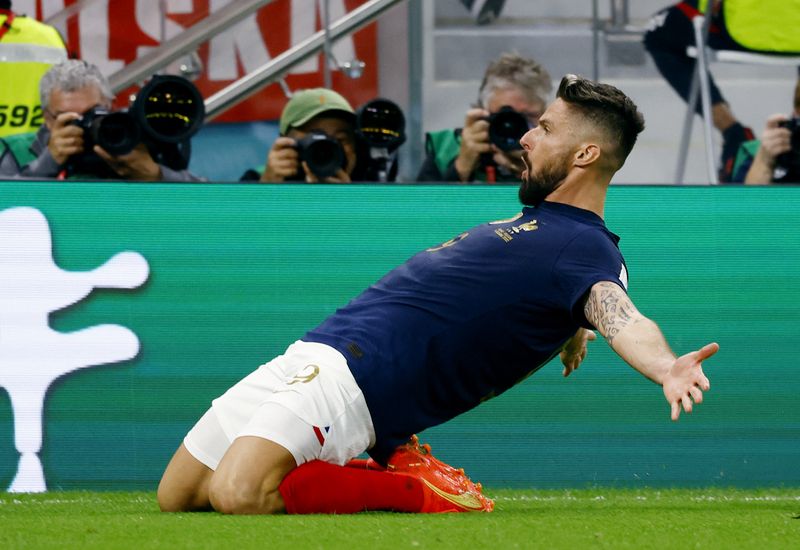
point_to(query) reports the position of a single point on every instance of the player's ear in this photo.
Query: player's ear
(586, 154)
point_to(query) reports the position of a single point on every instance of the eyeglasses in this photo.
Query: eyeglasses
(531, 116)
(55, 115)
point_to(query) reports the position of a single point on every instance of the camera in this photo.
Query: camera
(787, 165)
(323, 154)
(167, 111)
(116, 132)
(506, 127)
(379, 132)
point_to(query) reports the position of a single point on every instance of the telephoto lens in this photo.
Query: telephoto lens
(506, 127)
(381, 123)
(169, 109)
(323, 154)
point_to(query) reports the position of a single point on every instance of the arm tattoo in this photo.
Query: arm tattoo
(609, 309)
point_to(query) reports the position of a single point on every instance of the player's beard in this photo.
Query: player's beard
(536, 187)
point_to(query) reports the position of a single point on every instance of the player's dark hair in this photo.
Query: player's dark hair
(608, 108)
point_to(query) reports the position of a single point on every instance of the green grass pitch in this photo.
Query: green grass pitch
(575, 519)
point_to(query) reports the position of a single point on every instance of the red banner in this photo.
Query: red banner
(112, 34)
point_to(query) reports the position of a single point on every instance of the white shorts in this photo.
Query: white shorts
(305, 400)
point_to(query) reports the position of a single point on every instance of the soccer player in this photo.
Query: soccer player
(455, 325)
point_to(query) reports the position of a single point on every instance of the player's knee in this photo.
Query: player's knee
(171, 501)
(228, 497)
(175, 496)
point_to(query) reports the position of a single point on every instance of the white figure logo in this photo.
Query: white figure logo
(32, 355)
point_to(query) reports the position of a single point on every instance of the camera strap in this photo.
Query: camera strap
(489, 166)
(491, 174)
(6, 26)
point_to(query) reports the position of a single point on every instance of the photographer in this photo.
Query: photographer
(27, 49)
(316, 110)
(68, 91)
(775, 158)
(486, 149)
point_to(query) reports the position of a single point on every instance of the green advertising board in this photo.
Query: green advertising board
(126, 308)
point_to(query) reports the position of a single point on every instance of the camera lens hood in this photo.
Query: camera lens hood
(169, 109)
(506, 127)
(116, 132)
(323, 154)
(381, 123)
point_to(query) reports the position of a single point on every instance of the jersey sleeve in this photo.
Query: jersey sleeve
(590, 258)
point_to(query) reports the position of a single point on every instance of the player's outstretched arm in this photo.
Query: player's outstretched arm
(639, 341)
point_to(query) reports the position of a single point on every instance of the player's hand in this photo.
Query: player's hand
(283, 161)
(65, 139)
(575, 350)
(474, 143)
(685, 381)
(339, 177)
(775, 140)
(137, 165)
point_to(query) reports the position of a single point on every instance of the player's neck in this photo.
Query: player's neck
(587, 191)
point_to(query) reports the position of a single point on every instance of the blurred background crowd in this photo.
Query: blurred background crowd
(387, 91)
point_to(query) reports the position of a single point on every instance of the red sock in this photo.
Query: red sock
(317, 487)
(365, 464)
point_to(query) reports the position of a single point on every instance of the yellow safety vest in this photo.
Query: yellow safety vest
(764, 25)
(27, 50)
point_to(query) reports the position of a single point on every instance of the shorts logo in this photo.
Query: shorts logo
(311, 372)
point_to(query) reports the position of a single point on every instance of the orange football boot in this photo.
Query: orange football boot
(446, 489)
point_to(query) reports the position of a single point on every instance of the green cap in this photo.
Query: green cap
(306, 104)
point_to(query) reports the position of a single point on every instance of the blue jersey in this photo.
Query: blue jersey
(466, 320)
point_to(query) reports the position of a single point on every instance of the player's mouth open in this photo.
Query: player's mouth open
(526, 170)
